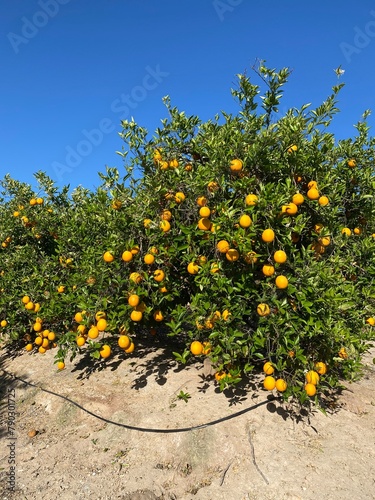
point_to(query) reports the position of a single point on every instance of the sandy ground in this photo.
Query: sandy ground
(261, 451)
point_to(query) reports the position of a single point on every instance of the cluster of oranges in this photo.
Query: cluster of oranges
(270, 383)
(312, 378)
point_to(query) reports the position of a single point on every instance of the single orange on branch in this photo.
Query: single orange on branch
(196, 348)
(268, 235)
(236, 165)
(268, 368)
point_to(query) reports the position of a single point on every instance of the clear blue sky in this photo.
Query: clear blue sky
(69, 67)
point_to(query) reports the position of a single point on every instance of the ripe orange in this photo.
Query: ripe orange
(124, 342)
(136, 315)
(45, 343)
(164, 225)
(352, 163)
(212, 186)
(281, 282)
(313, 194)
(206, 348)
(310, 389)
(60, 365)
(116, 204)
(135, 250)
(188, 167)
(147, 223)
(215, 268)
(100, 315)
(80, 340)
(204, 212)
(318, 227)
(29, 306)
(321, 368)
(105, 351)
(159, 275)
(33, 202)
(196, 348)
(133, 300)
(204, 224)
(38, 341)
(101, 325)
(312, 377)
(263, 309)
(61, 289)
(281, 385)
(323, 201)
(290, 209)
(346, 231)
(268, 270)
(245, 221)
(173, 163)
(370, 321)
(268, 235)
(127, 256)
(220, 375)
(325, 241)
(342, 353)
(37, 326)
(251, 200)
(192, 268)
(179, 197)
(268, 368)
(292, 149)
(78, 317)
(357, 230)
(130, 349)
(298, 199)
(222, 246)
(157, 155)
(232, 255)
(25, 299)
(135, 277)
(250, 258)
(225, 314)
(29, 347)
(280, 256)
(163, 165)
(158, 315)
(312, 184)
(201, 201)
(93, 332)
(236, 165)
(163, 289)
(166, 215)
(269, 383)
(108, 257)
(149, 259)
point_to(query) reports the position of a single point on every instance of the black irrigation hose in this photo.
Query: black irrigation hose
(143, 429)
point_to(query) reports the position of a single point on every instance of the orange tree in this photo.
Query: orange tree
(248, 238)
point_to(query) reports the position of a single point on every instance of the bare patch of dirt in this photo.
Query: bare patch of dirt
(64, 452)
